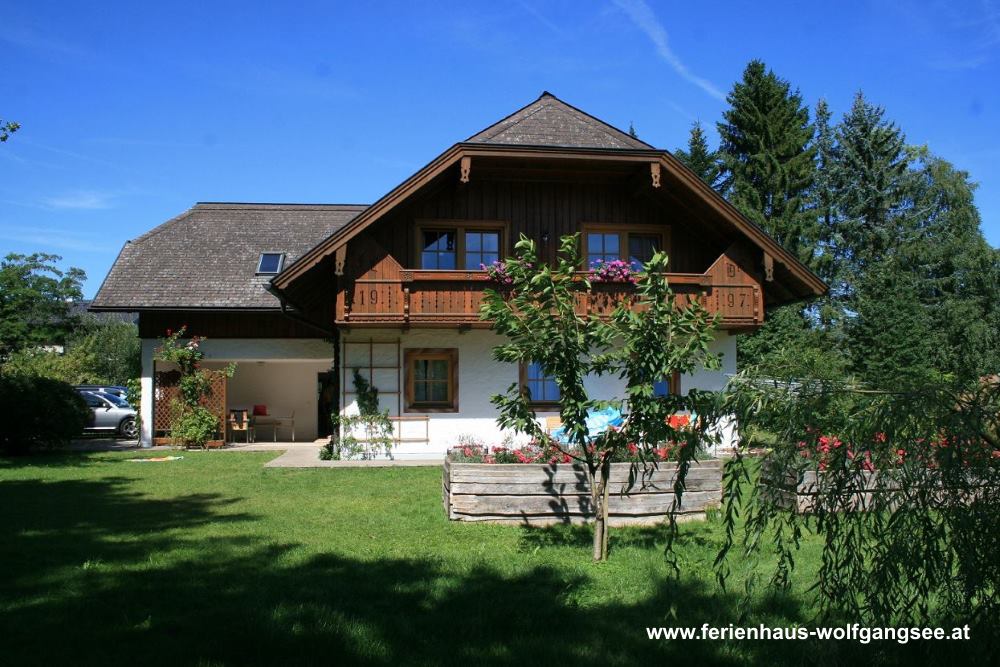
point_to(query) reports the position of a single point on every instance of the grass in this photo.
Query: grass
(216, 560)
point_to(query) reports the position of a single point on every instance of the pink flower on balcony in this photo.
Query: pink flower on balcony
(615, 271)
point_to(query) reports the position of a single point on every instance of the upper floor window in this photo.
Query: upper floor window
(633, 245)
(602, 247)
(641, 248)
(270, 262)
(482, 248)
(465, 247)
(438, 250)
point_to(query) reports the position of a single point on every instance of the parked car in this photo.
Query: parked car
(114, 389)
(110, 414)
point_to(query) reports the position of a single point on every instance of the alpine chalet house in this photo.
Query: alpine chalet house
(394, 288)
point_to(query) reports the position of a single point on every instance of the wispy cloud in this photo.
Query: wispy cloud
(47, 238)
(955, 36)
(26, 37)
(68, 153)
(643, 17)
(88, 200)
(682, 111)
(545, 21)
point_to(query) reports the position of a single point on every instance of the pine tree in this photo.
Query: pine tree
(892, 340)
(767, 157)
(954, 268)
(631, 131)
(824, 206)
(870, 163)
(698, 158)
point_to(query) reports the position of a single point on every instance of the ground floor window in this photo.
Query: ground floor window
(668, 385)
(431, 379)
(541, 389)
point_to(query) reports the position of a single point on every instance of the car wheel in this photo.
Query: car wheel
(128, 428)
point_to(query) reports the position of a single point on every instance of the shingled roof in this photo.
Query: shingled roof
(207, 257)
(548, 121)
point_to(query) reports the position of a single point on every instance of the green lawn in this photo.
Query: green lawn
(217, 560)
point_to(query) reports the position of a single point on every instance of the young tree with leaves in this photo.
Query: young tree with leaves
(7, 128)
(34, 301)
(646, 339)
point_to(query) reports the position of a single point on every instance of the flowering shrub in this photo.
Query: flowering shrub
(192, 424)
(829, 450)
(496, 272)
(615, 271)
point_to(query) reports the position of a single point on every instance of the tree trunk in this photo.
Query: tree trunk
(599, 495)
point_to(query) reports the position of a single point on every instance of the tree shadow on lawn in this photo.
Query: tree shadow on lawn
(47, 526)
(156, 598)
(643, 537)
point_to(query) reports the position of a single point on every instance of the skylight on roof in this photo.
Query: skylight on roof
(270, 263)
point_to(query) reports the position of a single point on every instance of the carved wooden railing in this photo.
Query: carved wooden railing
(421, 297)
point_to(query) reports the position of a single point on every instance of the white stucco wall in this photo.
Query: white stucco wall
(282, 374)
(479, 377)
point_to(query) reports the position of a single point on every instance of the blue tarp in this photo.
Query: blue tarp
(598, 421)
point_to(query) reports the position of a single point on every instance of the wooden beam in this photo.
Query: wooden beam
(340, 255)
(466, 167)
(768, 267)
(654, 171)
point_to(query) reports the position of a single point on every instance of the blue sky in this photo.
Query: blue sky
(132, 112)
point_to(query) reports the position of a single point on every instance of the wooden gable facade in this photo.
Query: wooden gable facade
(384, 269)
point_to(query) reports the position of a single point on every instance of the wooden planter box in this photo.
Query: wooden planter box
(560, 493)
(807, 491)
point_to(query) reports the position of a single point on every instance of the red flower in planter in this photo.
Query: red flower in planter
(633, 448)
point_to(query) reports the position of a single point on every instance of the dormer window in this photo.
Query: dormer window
(270, 263)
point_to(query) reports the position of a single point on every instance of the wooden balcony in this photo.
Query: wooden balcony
(453, 298)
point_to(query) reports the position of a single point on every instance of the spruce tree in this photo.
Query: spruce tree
(868, 178)
(698, 158)
(823, 203)
(767, 157)
(892, 334)
(955, 270)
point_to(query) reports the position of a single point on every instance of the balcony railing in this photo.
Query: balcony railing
(448, 298)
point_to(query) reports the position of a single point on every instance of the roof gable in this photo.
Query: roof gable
(548, 121)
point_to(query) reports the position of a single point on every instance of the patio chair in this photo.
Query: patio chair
(239, 422)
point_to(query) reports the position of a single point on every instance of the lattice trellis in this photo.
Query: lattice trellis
(166, 389)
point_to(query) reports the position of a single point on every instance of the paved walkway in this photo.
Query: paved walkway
(308, 457)
(295, 454)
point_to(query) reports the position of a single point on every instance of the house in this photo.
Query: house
(304, 296)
